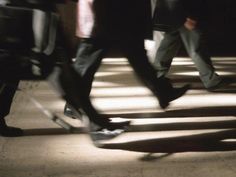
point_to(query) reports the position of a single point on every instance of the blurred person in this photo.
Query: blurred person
(186, 21)
(122, 24)
(26, 56)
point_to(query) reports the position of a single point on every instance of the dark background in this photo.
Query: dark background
(222, 27)
(221, 30)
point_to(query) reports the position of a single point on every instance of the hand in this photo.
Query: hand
(190, 24)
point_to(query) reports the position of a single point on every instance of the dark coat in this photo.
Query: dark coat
(114, 19)
(171, 14)
(48, 5)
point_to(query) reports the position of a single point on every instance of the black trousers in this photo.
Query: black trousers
(19, 62)
(91, 52)
(7, 92)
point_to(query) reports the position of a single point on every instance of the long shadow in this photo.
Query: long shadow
(183, 126)
(215, 111)
(204, 142)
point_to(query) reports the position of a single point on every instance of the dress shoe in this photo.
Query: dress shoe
(172, 95)
(221, 85)
(7, 131)
(98, 133)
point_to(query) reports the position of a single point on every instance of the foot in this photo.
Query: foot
(173, 95)
(69, 85)
(221, 85)
(11, 131)
(98, 133)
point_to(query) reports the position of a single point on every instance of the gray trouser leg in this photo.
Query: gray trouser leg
(196, 47)
(88, 60)
(167, 50)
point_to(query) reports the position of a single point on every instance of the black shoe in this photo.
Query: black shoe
(173, 95)
(221, 85)
(11, 131)
(98, 133)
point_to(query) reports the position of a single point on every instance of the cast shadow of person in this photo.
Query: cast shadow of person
(204, 142)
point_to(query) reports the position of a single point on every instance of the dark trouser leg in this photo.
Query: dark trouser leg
(7, 92)
(76, 81)
(70, 86)
(88, 60)
(167, 50)
(136, 54)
